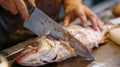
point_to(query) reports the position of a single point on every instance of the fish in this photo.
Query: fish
(45, 49)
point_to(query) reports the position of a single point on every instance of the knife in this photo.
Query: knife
(43, 25)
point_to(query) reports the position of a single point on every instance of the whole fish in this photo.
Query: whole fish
(44, 50)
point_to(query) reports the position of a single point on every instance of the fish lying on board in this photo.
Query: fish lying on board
(44, 50)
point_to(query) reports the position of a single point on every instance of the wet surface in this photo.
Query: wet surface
(107, 55)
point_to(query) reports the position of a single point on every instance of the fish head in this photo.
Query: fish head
(32, 54)
(28, 56)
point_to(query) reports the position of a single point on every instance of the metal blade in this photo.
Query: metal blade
(43, 25)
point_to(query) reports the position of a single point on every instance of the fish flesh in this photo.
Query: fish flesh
(45, 49)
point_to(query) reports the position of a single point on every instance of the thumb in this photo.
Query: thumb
(66, 20)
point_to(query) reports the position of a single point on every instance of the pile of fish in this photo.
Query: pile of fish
(44, 50)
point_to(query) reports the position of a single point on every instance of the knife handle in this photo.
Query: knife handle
(29, 7)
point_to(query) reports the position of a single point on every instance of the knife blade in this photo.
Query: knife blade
(43, 25)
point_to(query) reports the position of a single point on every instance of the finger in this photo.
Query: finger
(66, 21)
(92, 17)
(32, 2)
(82, 16)
(22, 9)
(11, 6)
(94, 22)
(100, 25)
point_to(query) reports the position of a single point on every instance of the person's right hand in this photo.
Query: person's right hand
(17, 6)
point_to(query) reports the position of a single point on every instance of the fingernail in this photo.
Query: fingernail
(101, 29)
(85, 25)
(25, 17)
(95, 28)
(14, 12)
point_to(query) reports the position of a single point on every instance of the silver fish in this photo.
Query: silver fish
(45, 50)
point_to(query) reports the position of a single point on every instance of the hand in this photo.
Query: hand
(17, 6)
(77, 9)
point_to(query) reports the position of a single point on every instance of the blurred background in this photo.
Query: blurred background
(105, 9)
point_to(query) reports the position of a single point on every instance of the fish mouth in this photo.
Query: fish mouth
(23, 55)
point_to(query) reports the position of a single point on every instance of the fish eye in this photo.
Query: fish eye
(31, 45)
(34, 44)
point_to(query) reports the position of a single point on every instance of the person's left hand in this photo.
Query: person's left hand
(74, 10)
